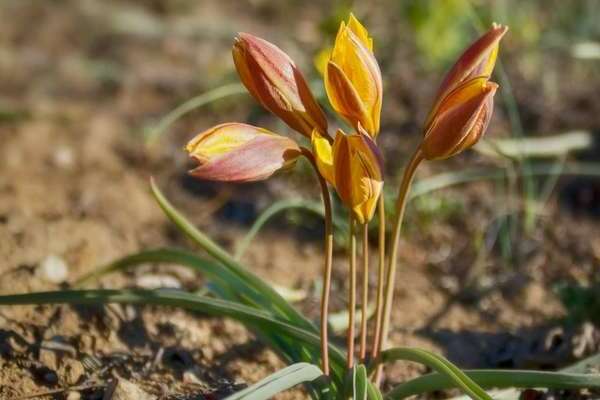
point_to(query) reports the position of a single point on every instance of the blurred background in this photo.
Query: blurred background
(502, 244)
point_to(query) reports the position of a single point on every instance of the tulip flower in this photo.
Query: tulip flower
(464, 102)
(358, 173)
(273, 79)
(353, 79)
(236, 152)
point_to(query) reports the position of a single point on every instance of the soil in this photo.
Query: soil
(80, 82)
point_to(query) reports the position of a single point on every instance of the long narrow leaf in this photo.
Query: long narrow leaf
(281, 380)
(359, 382)
(437, 363)
(269, 298)
(169, 297)
(498, 379)
(226, 285)
(373, 392)
(236, 287)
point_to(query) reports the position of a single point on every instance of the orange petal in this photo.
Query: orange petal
(478, 60)
(461, 125)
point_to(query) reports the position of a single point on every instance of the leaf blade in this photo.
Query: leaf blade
(281, 380)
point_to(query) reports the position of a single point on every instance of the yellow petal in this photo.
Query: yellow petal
(360, 31)
(323, 155)
(355, 88)
(344, 98)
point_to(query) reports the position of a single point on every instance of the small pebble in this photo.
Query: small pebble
(53, 269)
(158, 281)
(73, 396)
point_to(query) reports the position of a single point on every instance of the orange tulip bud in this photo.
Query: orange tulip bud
(478, 60)
(358, 171)
(461, 119)
(236, 152)
(273, 79)
(353, 79)
(464, 103)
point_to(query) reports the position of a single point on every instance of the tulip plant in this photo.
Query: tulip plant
(348, 161)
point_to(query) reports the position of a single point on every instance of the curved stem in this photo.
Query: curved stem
(351, 293)
(380, 277)
(407, 178)
(365, 292)
(328, 242)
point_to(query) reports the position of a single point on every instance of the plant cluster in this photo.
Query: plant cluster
(348, 161)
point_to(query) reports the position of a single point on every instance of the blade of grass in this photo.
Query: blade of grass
(498, 379)
(281, 380)
(437, 363)
(205, 98)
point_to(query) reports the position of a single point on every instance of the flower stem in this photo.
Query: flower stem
(351, 294)
(328, 242)
(407, 178)
(365, 292)
(380, 277)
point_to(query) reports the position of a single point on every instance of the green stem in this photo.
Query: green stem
(407, 178)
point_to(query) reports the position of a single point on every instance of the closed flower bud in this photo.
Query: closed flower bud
(477, 61)
(358, 171)
(353, 79)
(235, 152)
(273, 79)
(465, 100)
(461, 120)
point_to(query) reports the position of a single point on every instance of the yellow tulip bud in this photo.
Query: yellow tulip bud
(358, 172)
(273, 79)
(353, 79)
(236, 152)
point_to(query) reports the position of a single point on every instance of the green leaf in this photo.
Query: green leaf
(174, 298)
(268, 297)
(191, 104)
(281, 380)
(230, 287)
(235, 287)
(359, 382)
(373, 392)
(498, 379)
(437, 363)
